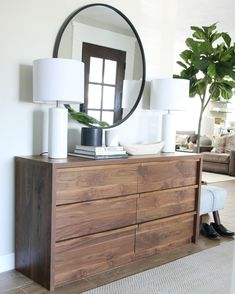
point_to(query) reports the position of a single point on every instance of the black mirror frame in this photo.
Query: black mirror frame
(62, 29)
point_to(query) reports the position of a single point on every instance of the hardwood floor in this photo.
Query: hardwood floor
(13, 282)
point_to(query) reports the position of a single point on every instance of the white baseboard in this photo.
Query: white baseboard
(7, 262)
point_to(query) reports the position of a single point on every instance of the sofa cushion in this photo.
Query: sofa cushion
(219, 144)
(216, 157)
(215, 167)
(229, 143)
(181, 139)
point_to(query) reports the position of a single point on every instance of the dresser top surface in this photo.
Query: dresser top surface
(71, 161)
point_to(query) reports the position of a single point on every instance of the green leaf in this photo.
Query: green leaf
(225, 86)
(225, 70)
(211, 71)
(186, 55)
(214, 37)
(226, 57)
(201, 86)
(182, 64)
(226, 94)
(192, 92)
(214, 90)
(202, 64)
(205, 48)
(85, 118)
(227, 39)
(198, 33)
(189, 72)
(177, 76)
(192, 44)
(219, 50)
(193, 89)
(232, 75)
(230, 83)
(208, 30)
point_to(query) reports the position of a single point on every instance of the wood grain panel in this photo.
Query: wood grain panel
(158, 204)
(33, 224)
(83, 184)
(156, 236)
(85, 256)
(170, 174)
(85, 218)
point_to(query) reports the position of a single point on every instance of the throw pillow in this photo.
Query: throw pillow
(229, 143)
(193, 139)
(181, 139)
(219, 144)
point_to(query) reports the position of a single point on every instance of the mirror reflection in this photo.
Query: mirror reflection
(112, 53)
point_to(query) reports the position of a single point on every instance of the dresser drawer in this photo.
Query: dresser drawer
(158, 204)
(85, 256)
(156, 236)
(89, 183)
(168, 174)
(86, 218)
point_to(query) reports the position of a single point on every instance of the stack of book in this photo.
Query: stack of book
(99, 152)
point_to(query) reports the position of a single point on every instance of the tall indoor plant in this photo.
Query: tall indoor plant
(209, 64)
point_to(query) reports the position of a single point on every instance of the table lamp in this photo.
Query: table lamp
(58, 80)
(169, 94)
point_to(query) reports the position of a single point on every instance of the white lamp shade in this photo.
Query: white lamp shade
(131, 90)
(58, 79)
(169, 94)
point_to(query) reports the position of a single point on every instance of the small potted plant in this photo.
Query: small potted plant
(91, 135)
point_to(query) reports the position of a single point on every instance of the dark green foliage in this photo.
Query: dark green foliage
(85, 118)
(209, 64)
(213, 61)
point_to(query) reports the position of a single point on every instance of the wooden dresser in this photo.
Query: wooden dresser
(77, 217)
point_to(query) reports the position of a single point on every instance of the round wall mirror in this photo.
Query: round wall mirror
(106, 41)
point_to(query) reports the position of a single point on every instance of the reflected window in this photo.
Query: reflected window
(96, 67)
(110, 69)
(104, 75)
(108, 116)
(108, 97)
(94, 96)
(94, 113)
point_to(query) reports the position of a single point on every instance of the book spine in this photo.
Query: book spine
(117, 152)
(99, 148)
(111, 156)
(98, 156)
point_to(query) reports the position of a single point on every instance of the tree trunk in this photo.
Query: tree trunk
(199, 127)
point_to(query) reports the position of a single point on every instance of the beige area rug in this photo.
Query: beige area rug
(206, 272)
(213, 177)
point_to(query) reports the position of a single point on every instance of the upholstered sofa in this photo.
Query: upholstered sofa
(189, 137)
(222, 157)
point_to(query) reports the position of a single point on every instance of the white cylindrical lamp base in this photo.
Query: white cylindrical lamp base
(168, 132)
(58, 133)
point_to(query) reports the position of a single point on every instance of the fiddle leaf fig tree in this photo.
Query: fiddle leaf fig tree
(209, 64)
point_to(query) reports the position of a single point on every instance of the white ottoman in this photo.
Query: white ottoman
(212, 198)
